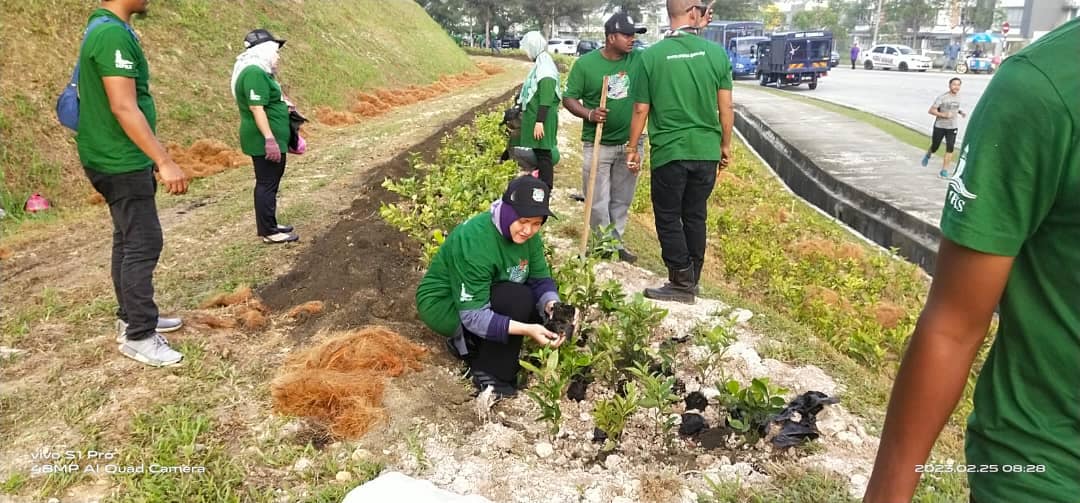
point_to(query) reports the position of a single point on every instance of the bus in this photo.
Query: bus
(723, 31)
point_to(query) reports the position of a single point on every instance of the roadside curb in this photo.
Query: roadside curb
(877, 220)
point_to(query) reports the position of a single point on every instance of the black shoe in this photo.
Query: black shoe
(502, 389)
(284, 228)
(577, 197)
(679, 288)
(626, 256)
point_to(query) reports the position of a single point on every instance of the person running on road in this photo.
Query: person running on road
(682, 85)
(945, 108)
(615, 183)
(1010, 241)
(120, 154)
(539, 99)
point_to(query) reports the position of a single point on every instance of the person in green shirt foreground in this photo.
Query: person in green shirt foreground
(264, 128)
(682, 84)
(1011, 239)
(539, 100)
(489, 286)
(615, 183)
(120, 153)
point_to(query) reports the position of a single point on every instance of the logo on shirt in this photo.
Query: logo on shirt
(520, 272)
(122, 63)
(465, 296)
(959, 195)
(618, 86)
(252, 96)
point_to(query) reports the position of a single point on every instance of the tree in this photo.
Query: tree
(738, 10)
(633, 8)
(824, 18)
(548, 12)
(911, 15)
(773, 18)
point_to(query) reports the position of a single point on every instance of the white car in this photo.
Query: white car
(901, 57)
(563, 46)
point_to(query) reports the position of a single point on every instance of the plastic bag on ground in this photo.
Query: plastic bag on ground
(797, 432)
(396, 487)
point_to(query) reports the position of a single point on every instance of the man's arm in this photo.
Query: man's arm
(637, 125)
(727, 123)
(122, 102)
(575, 107)
(967, 287)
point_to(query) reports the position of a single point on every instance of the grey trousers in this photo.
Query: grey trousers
(615, 185)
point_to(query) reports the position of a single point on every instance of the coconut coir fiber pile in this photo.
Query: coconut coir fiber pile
(340, 382)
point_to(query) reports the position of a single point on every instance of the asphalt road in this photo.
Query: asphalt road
(904, 97)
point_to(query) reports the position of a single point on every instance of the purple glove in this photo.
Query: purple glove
(273, 152)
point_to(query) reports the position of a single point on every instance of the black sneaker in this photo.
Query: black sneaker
(502, 389)
(284, 228)
(626, 256)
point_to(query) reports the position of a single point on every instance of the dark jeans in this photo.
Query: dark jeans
(680, 195)
(136, 247)
(498, 359)
(543, 164)
(852, 63)
(267, 180)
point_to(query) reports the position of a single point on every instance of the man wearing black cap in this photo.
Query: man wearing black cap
(489, 285)
(682, 84)
(615, 183)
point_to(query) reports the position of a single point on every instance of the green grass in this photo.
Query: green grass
(334, 49)
(788, 485)
(899, 131)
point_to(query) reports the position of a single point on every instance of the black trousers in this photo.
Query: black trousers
(136, 246)
(267, 180)
(852, 64)
(543, 164)
(680, 196)
(949, 135)
(498, 359)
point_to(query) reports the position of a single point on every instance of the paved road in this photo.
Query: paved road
(901, 96)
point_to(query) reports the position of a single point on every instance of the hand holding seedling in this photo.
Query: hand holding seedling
(543, 336)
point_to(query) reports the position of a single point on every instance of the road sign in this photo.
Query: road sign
(1005, 28)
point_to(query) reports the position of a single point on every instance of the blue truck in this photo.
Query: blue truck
(742, 51)
(792, 58)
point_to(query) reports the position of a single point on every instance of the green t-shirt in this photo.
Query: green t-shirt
(584, 83)
(254, 86)
(111, 51)
(679, 78)
(544, 95)
(474, 257)
(1015, 193)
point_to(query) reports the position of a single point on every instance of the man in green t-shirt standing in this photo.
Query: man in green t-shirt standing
(682, 84)
(615, 184)
(120, 153)
(1011, 239)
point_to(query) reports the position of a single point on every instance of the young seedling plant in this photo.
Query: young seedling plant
(658, 394)
(749, 408)
(557, 368)
(611, 415)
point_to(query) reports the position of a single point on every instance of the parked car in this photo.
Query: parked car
(510, 43)
(901, 57)
(834, 59)
(640, 44)
(562, 46)
(586, 46)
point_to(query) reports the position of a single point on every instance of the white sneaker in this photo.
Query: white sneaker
(280, 237)
(154, 351)
(164, 325)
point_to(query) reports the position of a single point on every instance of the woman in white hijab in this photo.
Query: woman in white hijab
(264, 128)
(540, 98)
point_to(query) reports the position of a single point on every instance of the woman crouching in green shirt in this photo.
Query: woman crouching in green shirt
(489, 285)
(264, 128)
(540, 98)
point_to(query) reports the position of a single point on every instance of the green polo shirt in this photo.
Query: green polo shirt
(679, 78)
(1015, 193)
(584, 83)
(255, 86)
(111, 51)
(474, 257)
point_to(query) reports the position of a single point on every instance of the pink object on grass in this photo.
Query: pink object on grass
(36, 203)
(301, 146)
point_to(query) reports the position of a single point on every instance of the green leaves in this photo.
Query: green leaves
(749, 408)
(611, 415)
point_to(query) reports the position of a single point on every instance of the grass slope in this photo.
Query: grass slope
(334, 49)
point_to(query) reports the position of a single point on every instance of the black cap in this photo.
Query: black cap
(621, 23)
(529, 196)
(256, 37)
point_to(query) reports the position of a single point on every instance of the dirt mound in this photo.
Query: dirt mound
(382, 101)
(206, 157)
(341, 381)
(372, 279)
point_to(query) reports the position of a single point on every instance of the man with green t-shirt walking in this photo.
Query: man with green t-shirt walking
(682, 84)
(1011, 240)
(615, 183)
(120, 153)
